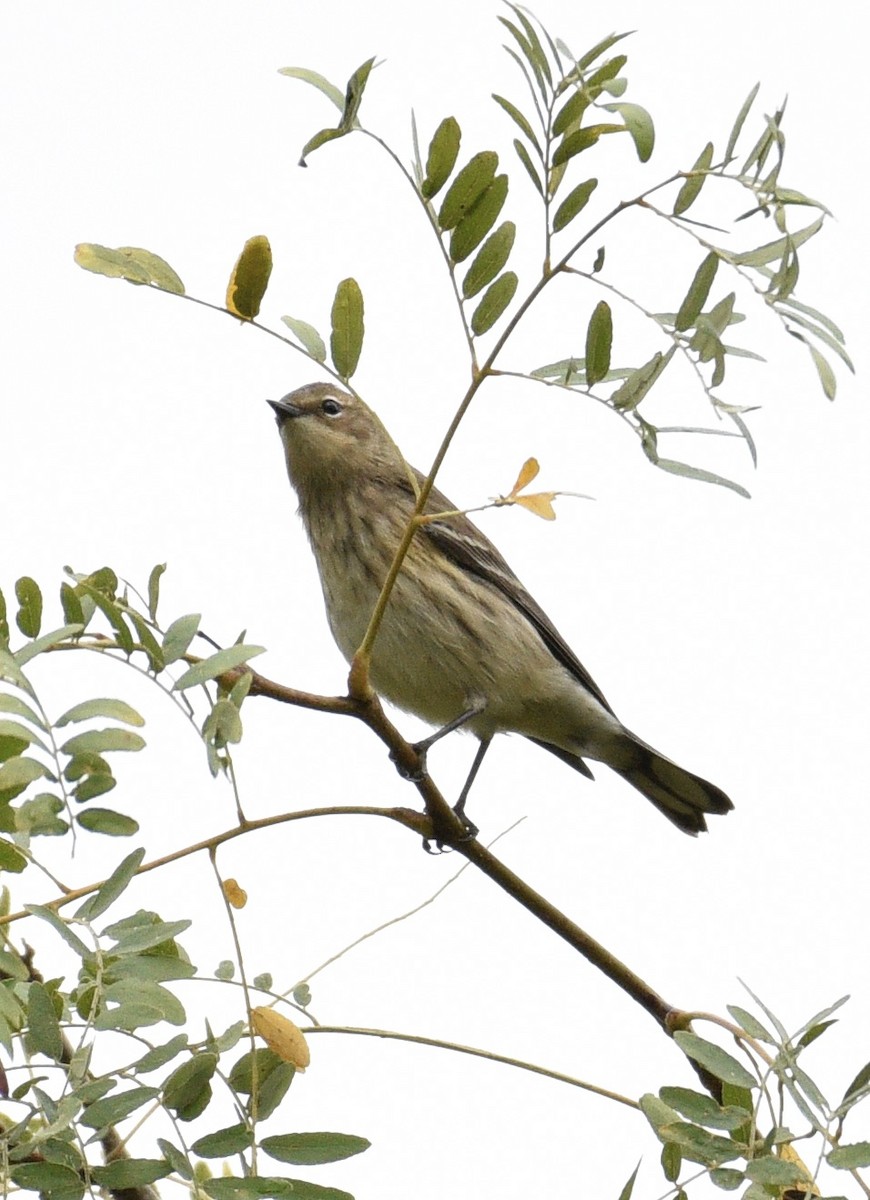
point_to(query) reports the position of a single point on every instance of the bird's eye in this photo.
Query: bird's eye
(331, 406)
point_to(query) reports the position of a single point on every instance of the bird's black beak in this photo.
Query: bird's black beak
(284, 408)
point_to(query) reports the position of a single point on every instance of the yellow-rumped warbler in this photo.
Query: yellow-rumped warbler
(461, 641)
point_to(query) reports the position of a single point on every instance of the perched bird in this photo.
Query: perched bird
(461, 642)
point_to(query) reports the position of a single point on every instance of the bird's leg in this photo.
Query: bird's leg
(474, 710)
(422, 748)
(459, 806)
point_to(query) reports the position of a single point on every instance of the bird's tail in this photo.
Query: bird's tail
(684, 798)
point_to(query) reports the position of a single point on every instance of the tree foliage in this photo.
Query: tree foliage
(121, 1007)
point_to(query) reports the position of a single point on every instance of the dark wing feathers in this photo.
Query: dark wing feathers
(464, 544)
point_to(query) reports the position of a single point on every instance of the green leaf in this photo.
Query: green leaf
(154, 589)
(574, 202)
(217, 664)
(118, 710)
(29, 615)
(715, 1059)
(137, 1002)
(672, 1161)
(224, 1142)
(702, 1109)
(18, 772)
(11, 858)
(751, 1024)
(319, 139)
(517, 117)
(726, 1178)
(160, 1055)
(495, 300)
(738, 124)
(179, 635)
(18, 708)
(107, 821)
(73, 610)
(639, 124)
(772, 251)
(599, 339)
(539, 57)
(348, 327)
(479, 219)
(126, 1173)
(143, 931)
(699, 290)
(850, 1157)
(309, 1149)
(528, 52)
(250, 278)
(156, 661)
(111, 610)
(317, 81)
(308, 336)
(571, 113)
(688, 472)
(38, 817)
(489, 260)
(132, 263)
(15, 737)
(468, 186)
(354, 93)
(525, 159)
(47, 1178)
(230, 1187)
(177, 1160)
(273, 1076)
(60, 927)
(100, 741)
(605, 73)
(44, 1036)
(600, 48)
(777, 1171)
(581, 139)
(112, 1109)
(691, 189)
(636, 386)
(628, 1186)
(187, 1091)
(441, 159)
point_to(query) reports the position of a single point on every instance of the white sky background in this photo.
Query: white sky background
(728, 633)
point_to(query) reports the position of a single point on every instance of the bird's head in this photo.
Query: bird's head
(331, 438)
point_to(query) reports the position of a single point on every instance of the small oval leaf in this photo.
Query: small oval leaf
(308, 336)
(29, 615)
(599, 339)
(691, 189)
(250, 278)
(699, 290)
(118, 710)
(441, 159)
(574, 202)
(639, 124)
(478, 221)
(471, 182)
(495, 300)
(490, 259)
(348, 327)
(216, 664)
(106, 821)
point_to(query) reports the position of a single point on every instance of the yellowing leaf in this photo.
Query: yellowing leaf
(281, 1036)
(528, 471)
(539, 503)
(236, 896)
(250, 278)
